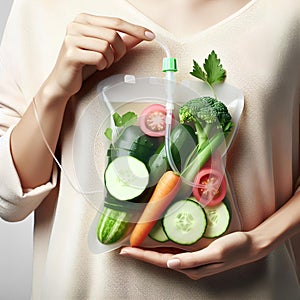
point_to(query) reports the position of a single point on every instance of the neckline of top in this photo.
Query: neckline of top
(158, 29)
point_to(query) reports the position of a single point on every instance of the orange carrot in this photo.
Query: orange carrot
(165, 191)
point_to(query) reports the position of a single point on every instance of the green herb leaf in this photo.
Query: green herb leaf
(117, 120)
(198, 72)
(214, 69)
(124, 121)
(108, 133)
(129, 118)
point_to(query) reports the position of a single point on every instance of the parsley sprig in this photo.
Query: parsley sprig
(213, 72)
(121, 122)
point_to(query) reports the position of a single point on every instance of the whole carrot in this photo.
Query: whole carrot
(165, 191)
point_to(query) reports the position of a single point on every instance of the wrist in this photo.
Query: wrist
(51, 96)
(263, 241)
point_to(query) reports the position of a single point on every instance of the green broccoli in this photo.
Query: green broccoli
(212, 122)
(207, 114)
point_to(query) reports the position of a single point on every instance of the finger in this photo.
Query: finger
(118, 25)
(96, 45)
(188, 260)
(203, 271)
(130, 41)
(149, 256)
(81, 58)
(106, 34)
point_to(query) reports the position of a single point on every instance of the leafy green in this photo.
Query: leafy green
(108, 133)
(213, 72)
(117, 120)
(124, 121)
(129, 119)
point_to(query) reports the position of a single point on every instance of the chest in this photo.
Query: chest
(184, 17)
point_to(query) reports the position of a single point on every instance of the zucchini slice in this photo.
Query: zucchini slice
(126, 177)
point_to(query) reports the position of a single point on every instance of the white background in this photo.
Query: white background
(15, 238)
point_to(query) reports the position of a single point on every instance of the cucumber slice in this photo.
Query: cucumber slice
(157, 233)
(185, 222)
(126, 177)
(218, 219)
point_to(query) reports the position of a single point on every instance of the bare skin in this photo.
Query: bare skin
(91, 43)
(191, 16)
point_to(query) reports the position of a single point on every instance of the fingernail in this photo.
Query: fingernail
(150, 35)
(173, 263)
(123, 252)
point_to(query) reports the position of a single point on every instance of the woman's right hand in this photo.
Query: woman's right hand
(92, 43)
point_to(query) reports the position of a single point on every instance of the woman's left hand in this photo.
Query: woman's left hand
(224, 253)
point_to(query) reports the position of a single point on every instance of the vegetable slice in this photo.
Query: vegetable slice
(185, 222)
(213, 187)
(126, 177)
(153, 120)
(218, 219)
(157, 233)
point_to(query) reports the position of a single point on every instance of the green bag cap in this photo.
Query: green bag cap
(169, 64)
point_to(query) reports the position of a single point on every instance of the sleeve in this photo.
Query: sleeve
(15, 202)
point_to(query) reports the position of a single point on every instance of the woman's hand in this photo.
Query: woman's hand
(232, 250)
(225, 253)
(92, 43)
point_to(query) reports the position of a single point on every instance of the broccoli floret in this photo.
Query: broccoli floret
(198, 110)
(206, 113)
(223, 114)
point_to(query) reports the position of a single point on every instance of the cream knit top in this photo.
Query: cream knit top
(260, 49)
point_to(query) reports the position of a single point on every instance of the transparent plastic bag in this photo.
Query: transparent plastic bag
(93, 152)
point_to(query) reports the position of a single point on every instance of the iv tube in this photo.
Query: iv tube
(169, 67)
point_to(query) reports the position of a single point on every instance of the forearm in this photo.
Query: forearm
(282, 225)
(91, 43)
(31, 157)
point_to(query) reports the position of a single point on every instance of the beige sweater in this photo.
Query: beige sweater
(260, 48)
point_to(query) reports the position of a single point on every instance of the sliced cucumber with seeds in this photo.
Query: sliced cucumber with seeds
(157, 233)
(126, 177)
(184, 222)
(218, 219)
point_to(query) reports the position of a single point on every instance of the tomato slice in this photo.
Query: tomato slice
(153, 120)
(210, 187)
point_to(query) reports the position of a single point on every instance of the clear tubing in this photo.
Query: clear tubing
(170, 83)
(115, 131)
(78, 190)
